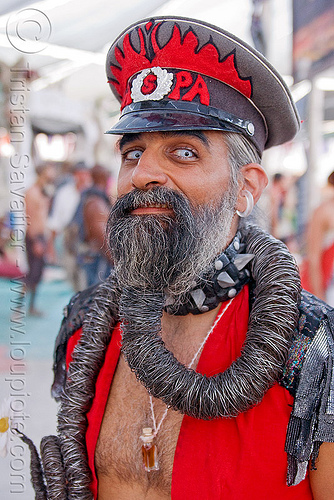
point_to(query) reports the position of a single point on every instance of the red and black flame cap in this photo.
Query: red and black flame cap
(173, 73)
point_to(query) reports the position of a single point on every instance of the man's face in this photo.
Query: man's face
(49, 175)
(175, 210)
(82, 179)
(192, 163)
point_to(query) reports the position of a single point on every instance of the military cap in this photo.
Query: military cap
(175, 73)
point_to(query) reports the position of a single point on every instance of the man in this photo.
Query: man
(277, 197)
(91, 220)
(318, 276)
(65, 204)
(37, 198)
(172, 388)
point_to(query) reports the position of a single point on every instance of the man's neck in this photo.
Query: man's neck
(183, 335)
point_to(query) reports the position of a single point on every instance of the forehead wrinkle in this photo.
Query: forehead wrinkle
(199, 134)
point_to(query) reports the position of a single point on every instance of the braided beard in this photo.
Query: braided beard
(162, 253)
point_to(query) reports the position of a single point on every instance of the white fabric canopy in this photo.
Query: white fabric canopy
(73, 36)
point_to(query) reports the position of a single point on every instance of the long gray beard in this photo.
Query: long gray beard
(165, 253)
(271, 324)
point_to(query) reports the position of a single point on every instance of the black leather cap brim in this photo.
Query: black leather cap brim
(164, 121)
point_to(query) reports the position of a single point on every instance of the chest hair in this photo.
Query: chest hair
(118, 451)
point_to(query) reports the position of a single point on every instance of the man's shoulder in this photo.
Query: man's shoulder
(312, 311)
(314, 314)
(74, 314)
(76, 309)
(95, 194)
(308, 375)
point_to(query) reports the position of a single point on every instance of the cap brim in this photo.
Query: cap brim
(164, 121)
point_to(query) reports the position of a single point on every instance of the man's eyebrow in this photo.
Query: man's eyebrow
(126, 138)
(199, 134)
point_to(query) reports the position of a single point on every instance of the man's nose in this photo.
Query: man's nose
(148, 172)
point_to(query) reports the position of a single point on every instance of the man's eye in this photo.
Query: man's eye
(132, 155)
(185, 153)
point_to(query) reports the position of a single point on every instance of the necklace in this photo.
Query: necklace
(149, 447)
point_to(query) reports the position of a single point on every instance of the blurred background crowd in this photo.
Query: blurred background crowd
(58, 169)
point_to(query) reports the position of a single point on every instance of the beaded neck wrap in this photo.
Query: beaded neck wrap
(272, 321)
(227, 277)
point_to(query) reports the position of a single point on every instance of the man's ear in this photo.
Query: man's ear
(254, 179)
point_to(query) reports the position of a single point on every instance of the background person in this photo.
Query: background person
(65, 204)
(37, 199)
(277, 196)
(319, 276)
(90, 220)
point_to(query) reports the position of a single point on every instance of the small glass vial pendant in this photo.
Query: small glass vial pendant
(149, 450)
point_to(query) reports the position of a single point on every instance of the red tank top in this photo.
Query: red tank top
(223, 459)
